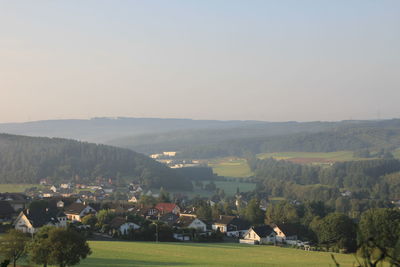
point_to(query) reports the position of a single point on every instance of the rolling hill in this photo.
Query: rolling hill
(29, 159)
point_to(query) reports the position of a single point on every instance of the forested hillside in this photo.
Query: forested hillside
(29, 159)
(373, 136)
(372, 179)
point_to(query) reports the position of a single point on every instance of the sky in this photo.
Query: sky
(207, 59)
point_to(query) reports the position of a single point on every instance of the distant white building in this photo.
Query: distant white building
(169, 153)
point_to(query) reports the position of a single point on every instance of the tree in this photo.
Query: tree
(164, 196)
(90, 219)
(39, 248)
(337, 230)
(253, 213)
(379, 236)
(12, 245)
(67, 247)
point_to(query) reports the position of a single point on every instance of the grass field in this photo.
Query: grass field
(230, 167)
(121, 254)
(311, 157)
(15, 188)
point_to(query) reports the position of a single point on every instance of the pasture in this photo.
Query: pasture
(230, 167)
(124, 254)
(16, 188)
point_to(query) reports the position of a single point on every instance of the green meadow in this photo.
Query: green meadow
(124, 254)
(231, 167)
(15, 188)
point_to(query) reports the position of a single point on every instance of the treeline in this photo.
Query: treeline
(29, 159)
(375, 236)
(377, 179)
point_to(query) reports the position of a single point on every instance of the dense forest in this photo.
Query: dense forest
(365, 181)
(29, 159)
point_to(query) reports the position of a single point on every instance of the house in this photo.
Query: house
(167, 208)
(29, 221)
(285, 232)
(85, 194)
(121, 226)
(60, 204)
(135, 188)
(133, 199)
(64, 192)
(47, 193)
(6, 211)
(17, 201)
(147, 212)
(263, 234)
(53, 188)
(108, 189)
(231, 225)
(76, 211)
(169, 218)
(191, 222)
(66, 186)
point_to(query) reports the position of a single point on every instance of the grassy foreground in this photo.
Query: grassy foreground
(110, 253)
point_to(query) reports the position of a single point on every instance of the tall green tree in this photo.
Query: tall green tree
(39, 248)
(253, 213)
(67, 247)
(337, 230)
(12, 245)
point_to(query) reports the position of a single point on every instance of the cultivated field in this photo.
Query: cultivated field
(121, 254)
(230, 167)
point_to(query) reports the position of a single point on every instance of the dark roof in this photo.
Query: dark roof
(238, 224)
(75, 208)
(233, 223)
(263, 230)
(185, 221)
(13, 197)
(224, 219)
(288, 229)
(39, 217)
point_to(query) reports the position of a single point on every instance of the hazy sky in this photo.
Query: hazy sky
(262, 60)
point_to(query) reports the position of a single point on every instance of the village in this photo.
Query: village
(143, 215)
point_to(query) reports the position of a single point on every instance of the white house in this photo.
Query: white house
(30, 221)
(285, 232)
(133, 199)
(231, 226)
(120, 225)
(259, 235)
(192, 222)
(76, 211)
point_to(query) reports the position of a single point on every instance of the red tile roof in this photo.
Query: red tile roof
(166, 207)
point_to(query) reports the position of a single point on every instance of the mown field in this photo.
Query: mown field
(15, 188)
(121, 254)
(230, 167)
